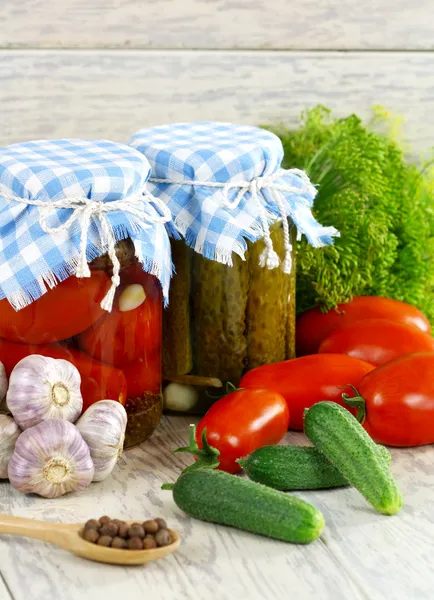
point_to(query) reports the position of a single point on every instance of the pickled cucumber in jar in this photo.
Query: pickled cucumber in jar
(237, 211)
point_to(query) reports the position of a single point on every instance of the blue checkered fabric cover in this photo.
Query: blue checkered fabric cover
(32, 260)
(210, 218)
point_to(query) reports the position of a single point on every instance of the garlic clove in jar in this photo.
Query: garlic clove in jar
(3, 382)
(51, 459)
(44, 388)
(131, 297)
(102, 427)
(9, 432)
(180, 397)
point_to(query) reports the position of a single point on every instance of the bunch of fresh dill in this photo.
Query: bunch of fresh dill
(382, 205)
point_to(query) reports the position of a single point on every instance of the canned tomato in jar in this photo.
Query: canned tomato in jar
(85, 270)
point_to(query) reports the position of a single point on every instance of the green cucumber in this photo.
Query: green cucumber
(341, 438)
(295, 468)
(219, 497)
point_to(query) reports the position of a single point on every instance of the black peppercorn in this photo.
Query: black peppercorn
(151, 526)
(91, 535)
(136, 530)
(109, 528)
(91, 524)
(149, 543)
(163, 537)
(123, 530)
(161, 523)
(119, 543)
(135, 543)
(119, 534)
(104, 540)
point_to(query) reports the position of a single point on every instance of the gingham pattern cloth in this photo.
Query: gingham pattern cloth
(32, 260)
(224, 152)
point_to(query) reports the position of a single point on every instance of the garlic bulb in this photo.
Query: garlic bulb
(9, 433)
(3, 382)
(102, 427)
(51, 459)
(44, 388)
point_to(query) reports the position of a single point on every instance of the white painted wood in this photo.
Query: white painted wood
(111, 94)
(362, 555)
(213, 561)
(282, 24)
(4, 592)
(386, 557)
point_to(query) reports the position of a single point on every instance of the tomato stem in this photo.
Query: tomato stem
(207, 456)
(229, 389)
(357, 402)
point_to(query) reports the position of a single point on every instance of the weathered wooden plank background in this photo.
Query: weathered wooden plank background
(111, 93)
(88, 68)
(281, 24)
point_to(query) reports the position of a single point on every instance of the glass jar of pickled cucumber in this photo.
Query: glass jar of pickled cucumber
(225, 320)
(232, 299)
(76, 291)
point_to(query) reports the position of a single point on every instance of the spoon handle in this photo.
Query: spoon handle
(53, 533)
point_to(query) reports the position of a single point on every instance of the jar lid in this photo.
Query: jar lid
(63, 203)
(224, 184)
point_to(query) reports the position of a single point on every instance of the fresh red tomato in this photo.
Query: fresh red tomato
(307, 380)
(377, 341)
(398, 401)
(242, 422)
(313, 326)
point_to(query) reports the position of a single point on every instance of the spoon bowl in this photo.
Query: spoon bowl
(69, 537)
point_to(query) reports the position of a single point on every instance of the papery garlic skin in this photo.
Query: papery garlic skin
(51, 459)
(102, 427)
(43, 388)
(9, 433)
(3, 382)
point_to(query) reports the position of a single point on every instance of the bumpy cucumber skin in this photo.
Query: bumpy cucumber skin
(295, 468)
(384, 453)
(222, 498)
(336, 433)
(292, 468)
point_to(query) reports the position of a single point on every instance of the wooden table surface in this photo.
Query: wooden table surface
(361, 555)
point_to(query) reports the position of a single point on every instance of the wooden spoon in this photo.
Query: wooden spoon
(68, 537)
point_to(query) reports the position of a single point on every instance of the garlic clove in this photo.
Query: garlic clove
(180, 397)
(9, 433)
(102, 427)
(3, 382)
(43, 388)
(131, 297)
(51, 459)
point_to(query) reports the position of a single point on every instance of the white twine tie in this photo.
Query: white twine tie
(269, 256)
(84, 211)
